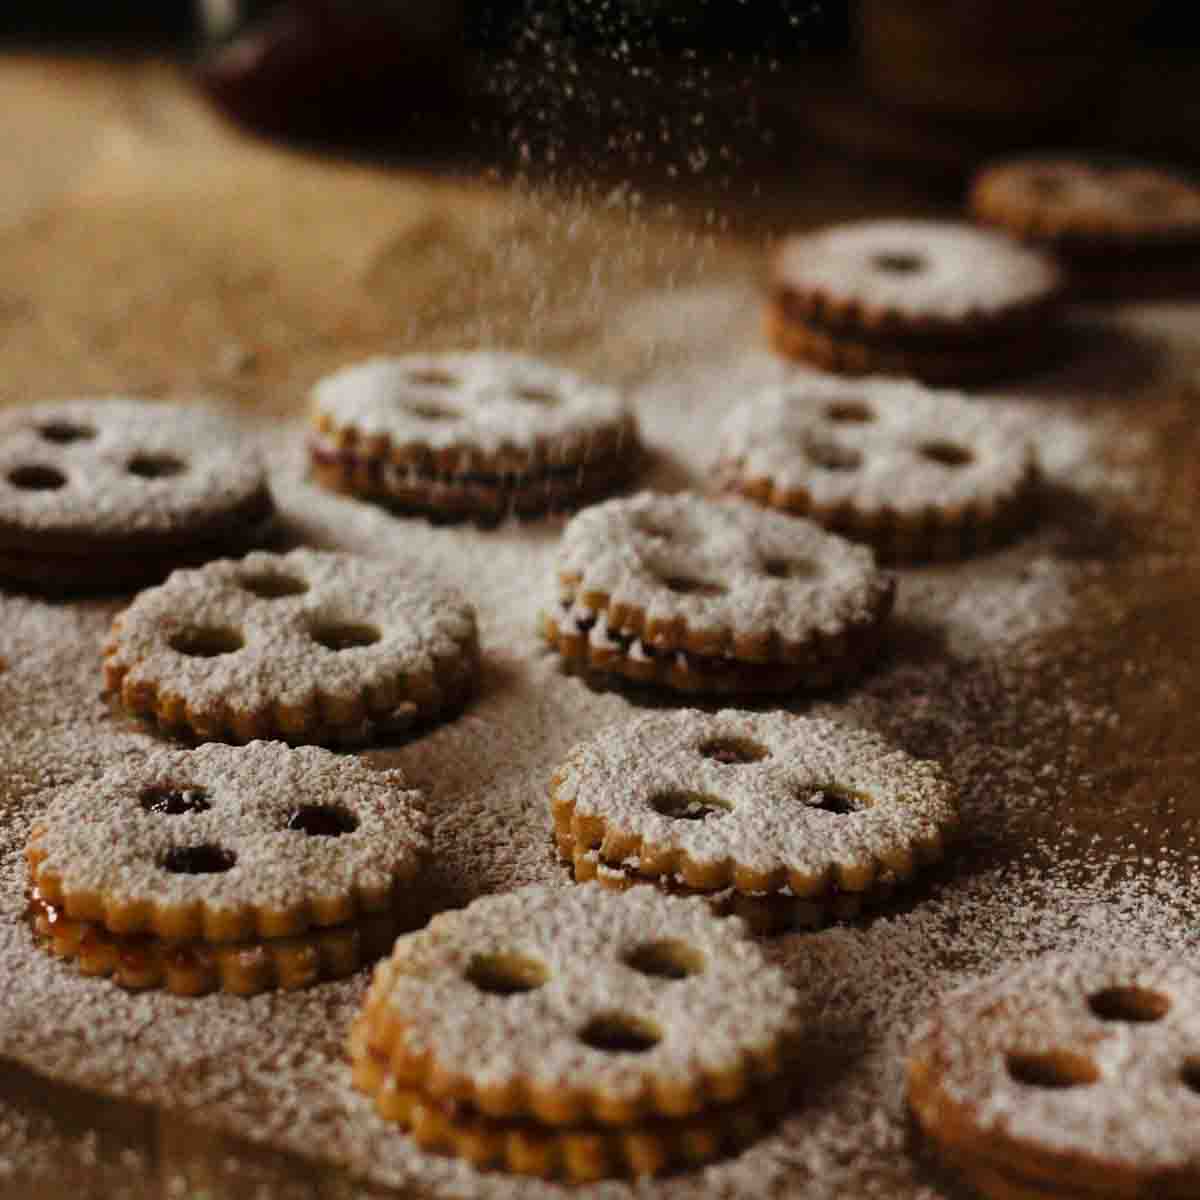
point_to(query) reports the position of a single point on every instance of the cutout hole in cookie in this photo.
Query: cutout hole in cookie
(790, 568)
(732, 750)
(848, 412)
(1134, 1004)
(684, 586)
(432, 377)
(272, 587)
(174, 801)
(1051, 1069)
(155, 466)
(322, 820)
(428, 411)
(506, 974)
(206, 641)
(347, 635)
(832, 457)
(666, 959)
(689, 806)
(898, 262)
(62, 433)
(206, 859)
(1190, 1075)
(37, 478)
(617, 1033)
(837, 801)
(532, 394)
(946, 454)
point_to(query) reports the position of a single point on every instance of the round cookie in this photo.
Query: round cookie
(697, 595)
(770, 805)
(940, 300)
(109, 494)
(613, 1025)
(916, 473)
(308, 646)
(470, 435)
(1088, 208)
(277, 860)
(1123, 230)
(1073, 1076)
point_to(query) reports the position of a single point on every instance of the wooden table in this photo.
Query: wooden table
(147, 247)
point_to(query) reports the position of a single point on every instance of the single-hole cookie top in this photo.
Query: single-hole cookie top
(289, 629)
(585, 989)
(917, 270)
(114, 468)
(877, 443)
(483, 401)
(720, 566)
(227, 827)
(1089, 1058)
(768, 791)
(1090, 201)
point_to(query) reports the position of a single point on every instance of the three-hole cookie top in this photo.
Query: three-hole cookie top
(280, 628)
(586, 990)
(259, 827)
(878, 444)
(1092, 1057)
(123, 468)
(484, 401)
(771, 792)
(718, 567)
(917, 270)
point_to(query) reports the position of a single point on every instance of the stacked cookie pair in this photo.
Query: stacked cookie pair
(475, 437)
(578, 1034)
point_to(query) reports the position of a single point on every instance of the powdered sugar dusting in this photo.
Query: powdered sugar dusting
(896, 802)
(734, 1004)
(725, 568)
(979, 686)
(101, 837)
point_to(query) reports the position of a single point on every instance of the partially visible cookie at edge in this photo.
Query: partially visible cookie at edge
(110, 494)
(471, 436)
(1071, 1075)
(702, 596)
(310, 647)
(915, 472)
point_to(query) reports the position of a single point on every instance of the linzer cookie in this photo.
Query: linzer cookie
(111, 494)
(916, 473)
(578, 1033)
(699, 596)
(240, 868)
(307, 647)
(940, 300)
(779, 817)
(470, 436)
(1121, 228)
(1072, 1077)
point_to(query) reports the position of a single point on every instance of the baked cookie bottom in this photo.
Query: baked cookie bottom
(522, 1146)
(194, 968)
(632, 660)
(486, 500)
(113, 566)
(979, 356)
(935, 534)
(766, 914)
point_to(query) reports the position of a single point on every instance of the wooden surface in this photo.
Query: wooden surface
(146, 247)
